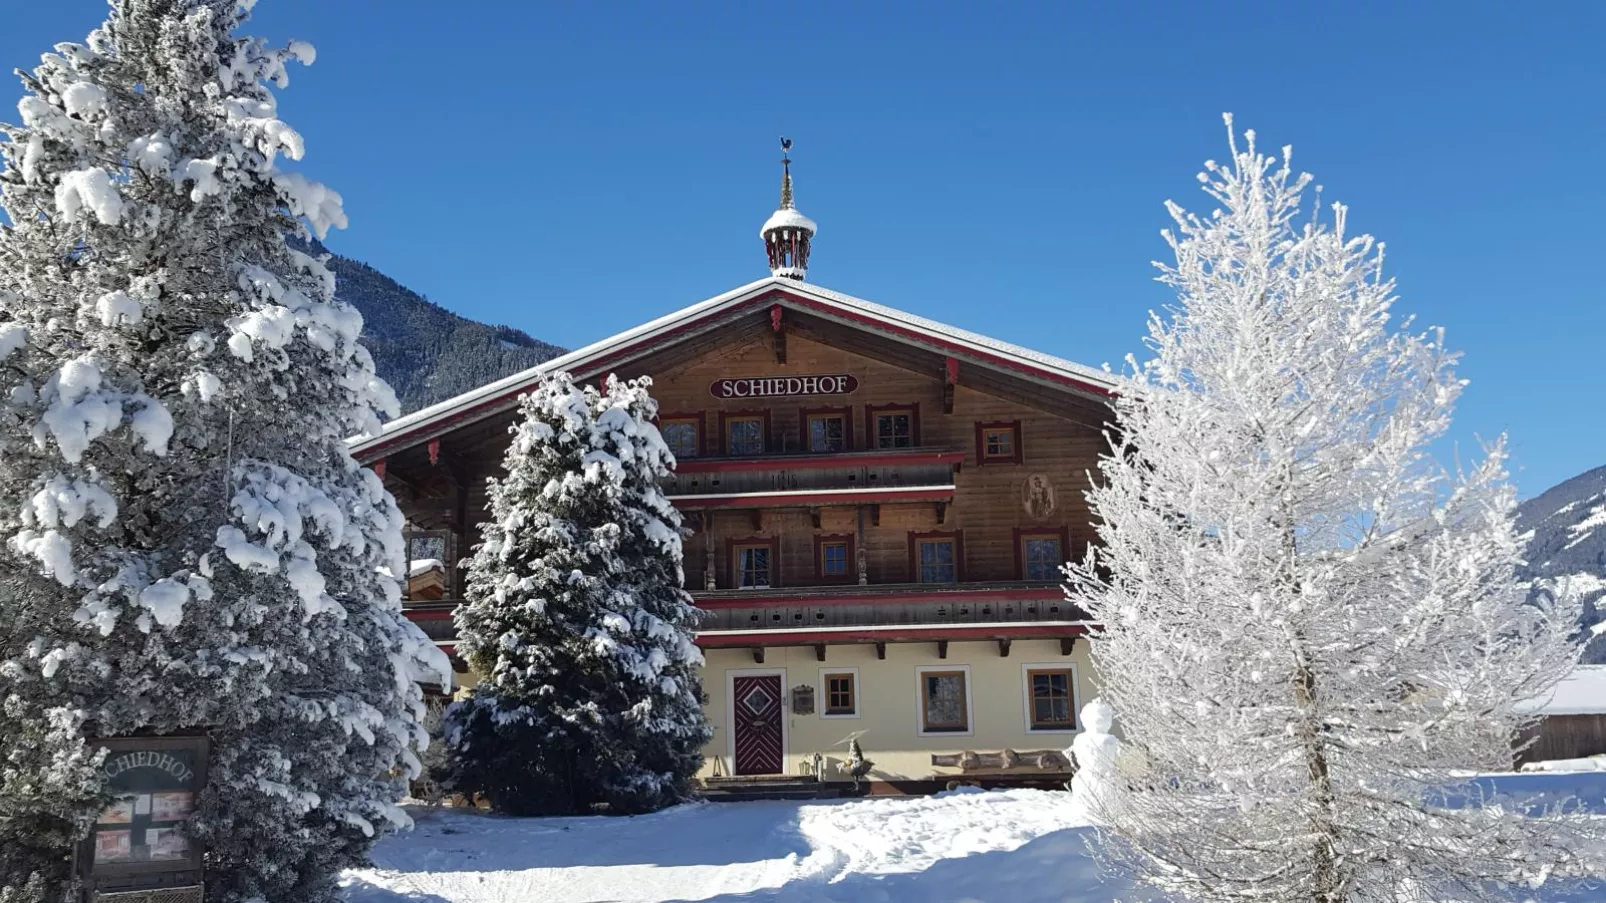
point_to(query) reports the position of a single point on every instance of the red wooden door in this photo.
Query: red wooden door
(757, 709)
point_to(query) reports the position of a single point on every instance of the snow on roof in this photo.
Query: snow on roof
(1582, 692)
(787, 218)
(1095, 379)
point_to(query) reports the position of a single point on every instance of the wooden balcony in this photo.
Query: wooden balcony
(816, 615)
(888, 476)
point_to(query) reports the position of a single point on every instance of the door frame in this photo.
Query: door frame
(730, 713)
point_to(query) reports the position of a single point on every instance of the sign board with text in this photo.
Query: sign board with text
(783, 386)
(139, 839)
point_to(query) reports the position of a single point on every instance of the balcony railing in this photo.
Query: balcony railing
(917, 474)
(982, 606)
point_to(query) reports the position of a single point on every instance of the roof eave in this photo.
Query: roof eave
(492, 396)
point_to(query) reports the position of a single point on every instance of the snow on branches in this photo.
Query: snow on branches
(576, 617)
(1309, 628)
(189, 545)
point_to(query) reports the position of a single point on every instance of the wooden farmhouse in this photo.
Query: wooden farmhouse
(878, 508)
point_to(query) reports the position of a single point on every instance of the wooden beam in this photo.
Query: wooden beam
(942, 513)
(1067, 645)
(1003, 648)
(950, 369)
(875, 515)
(814, 515)
(881, 651)
(778, 330)
(942, 648)
(819, 652)
(757, 516)
(758, 655)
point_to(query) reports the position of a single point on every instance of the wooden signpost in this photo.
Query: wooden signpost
(138, 851)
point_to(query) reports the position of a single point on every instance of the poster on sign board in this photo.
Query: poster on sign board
(142, 834)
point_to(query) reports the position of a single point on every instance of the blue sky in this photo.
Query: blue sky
(575, 169)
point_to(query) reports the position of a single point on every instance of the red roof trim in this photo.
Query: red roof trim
(870, 597)
(943, 343)
(886, 634)
(817, 461)
(814, 499)
(407, 438)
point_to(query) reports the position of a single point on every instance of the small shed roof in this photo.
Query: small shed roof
(1581, 693)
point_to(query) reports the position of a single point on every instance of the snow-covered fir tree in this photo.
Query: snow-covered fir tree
(1309, 627)
(188, 545)
(576, 618)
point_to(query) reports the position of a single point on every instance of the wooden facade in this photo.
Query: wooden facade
(1566, 737)
(849, 476)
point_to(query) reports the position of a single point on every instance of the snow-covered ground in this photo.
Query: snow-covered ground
(1023, 846)
(1017, 846)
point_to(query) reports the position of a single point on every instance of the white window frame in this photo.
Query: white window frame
(730, 714)
(858, 699)
(1026, 670)
(920, 701)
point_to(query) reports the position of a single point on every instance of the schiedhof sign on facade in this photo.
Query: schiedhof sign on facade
(783, 386)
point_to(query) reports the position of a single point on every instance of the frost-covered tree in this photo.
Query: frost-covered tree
(575, 617)
(188, 545)
(1308, 627)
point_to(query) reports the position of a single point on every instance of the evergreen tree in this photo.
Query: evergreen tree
(1308, 628)
(189, 546)
(576, 618)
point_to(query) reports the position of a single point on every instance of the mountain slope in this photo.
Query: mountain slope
(426, 352)
(1568, 549)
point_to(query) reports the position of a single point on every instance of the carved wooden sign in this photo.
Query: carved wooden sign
(802, 700)
(783, 386)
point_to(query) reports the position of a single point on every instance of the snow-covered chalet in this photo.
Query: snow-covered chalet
(879, 505)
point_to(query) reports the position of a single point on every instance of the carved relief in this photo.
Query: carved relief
(1037, 496)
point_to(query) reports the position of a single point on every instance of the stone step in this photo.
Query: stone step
(772, 787)
(744, 796)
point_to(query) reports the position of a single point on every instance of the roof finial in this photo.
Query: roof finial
(786, 173)
(787, 233)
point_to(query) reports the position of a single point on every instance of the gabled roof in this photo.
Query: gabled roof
(614, 350)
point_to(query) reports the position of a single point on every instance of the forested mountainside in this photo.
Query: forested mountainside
(1569, 544)
(426, 352)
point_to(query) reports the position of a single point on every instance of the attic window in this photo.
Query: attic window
(683, 435)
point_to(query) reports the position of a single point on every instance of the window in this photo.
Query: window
(744, 435)
(894, 426)
(935, 557)
(840, 693)
(754, 565)
(683, 435)
(998, 443)
(1042, 557)
(833, 559)
(937, 561)
(1050, 698)
(828, 431)
(944, 700)
(1039, 555)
